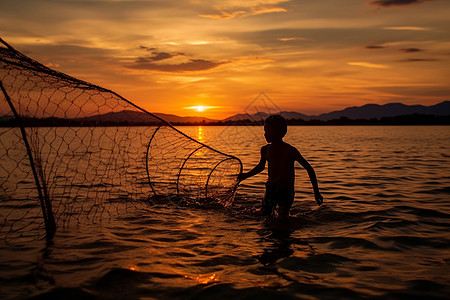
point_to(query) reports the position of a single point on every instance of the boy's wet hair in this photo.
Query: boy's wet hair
(277, 122)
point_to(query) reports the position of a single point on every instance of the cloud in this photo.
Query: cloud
(410, 50)
(325, 38)
(153, 62)
(413, 28)
(189, 66)
(367, 65)
(231, 9)
(147, 48)
(156, 56)
(287, 39)
(387, 3)
(418, 59)
(227, 14)
(375, 47)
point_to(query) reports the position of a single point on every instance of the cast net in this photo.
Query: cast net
(73, 153)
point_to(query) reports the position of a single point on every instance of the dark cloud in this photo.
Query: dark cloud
(418, 59)
(375, 47)
(244, 12)
(330, 38)
(311, 37)
(387, 3)
(410, 50)
(156, 56)
(147, 48)
(190, 66)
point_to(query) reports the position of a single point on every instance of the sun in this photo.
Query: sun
(200, 108)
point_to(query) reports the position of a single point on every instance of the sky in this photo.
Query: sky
(308, 56)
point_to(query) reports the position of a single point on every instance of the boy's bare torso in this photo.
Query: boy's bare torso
(281, 158)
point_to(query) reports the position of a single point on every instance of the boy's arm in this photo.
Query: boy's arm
(312, 176)
(257, 169)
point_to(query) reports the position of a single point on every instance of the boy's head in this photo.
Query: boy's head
(275, 128)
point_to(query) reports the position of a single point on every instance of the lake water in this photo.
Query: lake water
(382, 232)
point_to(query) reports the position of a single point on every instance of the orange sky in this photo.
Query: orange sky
(308, 56)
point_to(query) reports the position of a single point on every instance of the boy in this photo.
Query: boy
(281, 158)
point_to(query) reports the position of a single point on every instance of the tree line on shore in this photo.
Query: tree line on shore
(413, 119)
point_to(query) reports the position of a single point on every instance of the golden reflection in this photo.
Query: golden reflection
(133, 268)
(203, 279)
(200, 134)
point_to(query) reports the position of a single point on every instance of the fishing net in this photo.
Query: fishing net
(74, 153)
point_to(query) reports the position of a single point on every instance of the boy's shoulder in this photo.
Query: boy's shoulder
(290, 147)
(286, 147)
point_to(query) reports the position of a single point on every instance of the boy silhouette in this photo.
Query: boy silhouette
(281, 158)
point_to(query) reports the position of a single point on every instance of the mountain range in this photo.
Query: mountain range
(368, 111)
(141, 117)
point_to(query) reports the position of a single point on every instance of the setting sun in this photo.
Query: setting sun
(200, 108)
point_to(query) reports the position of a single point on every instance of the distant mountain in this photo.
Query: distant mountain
(141, 117)
(262, 116)
(240, 117)
(293, 115)
(368, 111)
(176, 119)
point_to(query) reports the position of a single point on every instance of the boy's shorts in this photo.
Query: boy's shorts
(273, 197)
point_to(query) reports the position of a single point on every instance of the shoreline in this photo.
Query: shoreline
(403, 120)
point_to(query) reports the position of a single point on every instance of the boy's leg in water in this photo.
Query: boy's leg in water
(268, 203)
(285, 203)
(282, 223)
(283, 212)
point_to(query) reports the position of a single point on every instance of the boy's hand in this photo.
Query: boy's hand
(319, 198)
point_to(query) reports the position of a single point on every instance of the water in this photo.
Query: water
(382, 233)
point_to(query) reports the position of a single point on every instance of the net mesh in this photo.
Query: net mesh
(73, 153)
